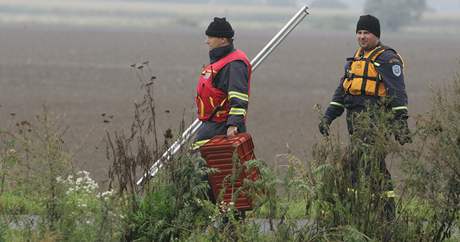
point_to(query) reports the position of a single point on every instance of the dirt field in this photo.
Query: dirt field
(81, 74)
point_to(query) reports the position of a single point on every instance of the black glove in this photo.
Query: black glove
(324, 126)
(402, 134)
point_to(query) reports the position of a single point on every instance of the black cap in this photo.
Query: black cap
(369, 23)
(220, 28)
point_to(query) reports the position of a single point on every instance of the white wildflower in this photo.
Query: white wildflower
(84, 173)
(107, 193)
(86, 189)
(11, 152)
(68, 192)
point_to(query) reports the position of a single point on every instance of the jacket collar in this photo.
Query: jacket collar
(217, 53)
(361, 53)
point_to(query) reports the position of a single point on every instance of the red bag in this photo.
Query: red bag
(218, 153)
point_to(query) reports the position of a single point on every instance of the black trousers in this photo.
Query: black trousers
(366, 158)
(209, 129)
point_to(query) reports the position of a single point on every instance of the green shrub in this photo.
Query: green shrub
(16, 204)
(36, 203)
(433, 170)
(175, 206)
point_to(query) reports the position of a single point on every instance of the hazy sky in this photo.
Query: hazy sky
(439, 5)
(151, 13)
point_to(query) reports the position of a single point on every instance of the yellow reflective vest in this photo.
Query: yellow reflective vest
(361, 77)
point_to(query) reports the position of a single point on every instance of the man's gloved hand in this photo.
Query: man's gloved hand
(232, 131)
(402, 134)
(324, 126)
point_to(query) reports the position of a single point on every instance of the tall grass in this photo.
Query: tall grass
(42, 198)
(433, 170)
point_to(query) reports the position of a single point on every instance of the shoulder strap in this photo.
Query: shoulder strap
(371, 59)
(397, 54)
(350, 62)
(376, 53)
(233, 56)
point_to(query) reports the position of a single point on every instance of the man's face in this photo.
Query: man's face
(216, 42)
(366, 39)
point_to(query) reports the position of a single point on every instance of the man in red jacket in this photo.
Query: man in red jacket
(223, 87)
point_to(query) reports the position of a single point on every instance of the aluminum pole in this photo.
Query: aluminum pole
(256, 61)
(279, 37)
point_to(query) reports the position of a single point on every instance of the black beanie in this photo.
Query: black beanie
(220, 28)
(369, 23)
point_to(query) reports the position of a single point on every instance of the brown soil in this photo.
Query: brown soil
(80, 74)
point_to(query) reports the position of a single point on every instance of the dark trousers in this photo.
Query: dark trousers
(367, 158)
(209, 129)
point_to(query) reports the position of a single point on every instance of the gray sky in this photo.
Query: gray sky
(443, 15)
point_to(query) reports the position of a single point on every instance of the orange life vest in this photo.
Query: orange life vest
(361, 76)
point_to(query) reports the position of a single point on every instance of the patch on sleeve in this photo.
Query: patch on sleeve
(396, 70)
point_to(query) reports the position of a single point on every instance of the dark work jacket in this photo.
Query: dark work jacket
(396, 99)
(232, 77)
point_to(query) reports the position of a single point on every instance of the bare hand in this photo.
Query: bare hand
(232, 130)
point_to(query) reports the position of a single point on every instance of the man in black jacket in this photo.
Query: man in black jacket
(373, 81)
(223, 87)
